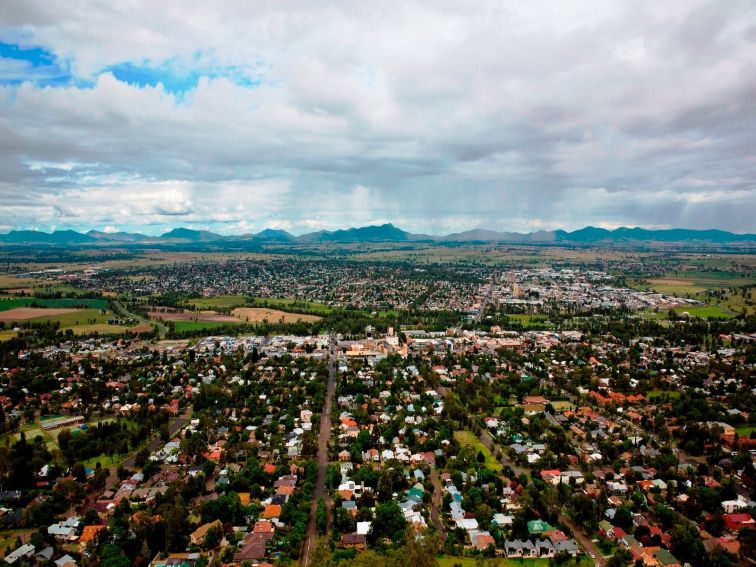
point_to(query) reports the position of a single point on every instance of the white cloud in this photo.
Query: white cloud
(434, 116)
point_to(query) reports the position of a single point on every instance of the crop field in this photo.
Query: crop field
(7, 303)
(465, 438)
(259, 314)
(34, 313)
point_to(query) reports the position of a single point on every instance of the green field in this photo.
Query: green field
(7, 303)
(706, 311)
(528, 321)
(75, 318)
(465, 437)
(217, 302)
(671, 394)
(182, 326)
(283, 303)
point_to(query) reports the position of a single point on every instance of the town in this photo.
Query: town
(630, 442)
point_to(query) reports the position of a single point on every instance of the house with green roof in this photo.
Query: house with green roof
(536, 527)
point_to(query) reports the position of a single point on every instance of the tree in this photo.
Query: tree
(321, 516)
(389, 522)
(212, 538)
(321, 554)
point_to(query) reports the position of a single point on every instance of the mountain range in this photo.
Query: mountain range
(376, 233)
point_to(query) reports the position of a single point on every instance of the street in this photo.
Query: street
(320, 491)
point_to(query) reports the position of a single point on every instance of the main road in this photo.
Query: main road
(325, 434)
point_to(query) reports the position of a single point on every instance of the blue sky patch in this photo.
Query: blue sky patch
(35, 64)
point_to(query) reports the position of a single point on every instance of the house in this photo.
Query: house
(736, 522)
(483, 540)
(519, 548)
(569, 546)
(354, 541)
(272, 511)
(538, 527)
(26, 550)
(89, 534)
(65, 561)
(197, 537)
(544, 548)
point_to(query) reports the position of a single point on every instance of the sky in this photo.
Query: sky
(436, 116)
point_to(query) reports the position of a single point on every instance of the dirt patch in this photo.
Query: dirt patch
(23, 313)
(259, 314)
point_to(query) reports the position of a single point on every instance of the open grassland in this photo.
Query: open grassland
(7, 303)
(465, 438)
(670, 286)
(260, 314)
(682, 283)
(740, 301)
(9, 281)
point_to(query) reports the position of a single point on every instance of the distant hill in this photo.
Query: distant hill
(273, 234)
(118, 236)
(377, 233)
(57, 238)
(190, 235)
(382, 233)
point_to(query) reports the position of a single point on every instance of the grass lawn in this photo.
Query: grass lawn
(671, 394)
(706, 311)
(528, 320)
(182, 326)
(745, 430)
(465, 437)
